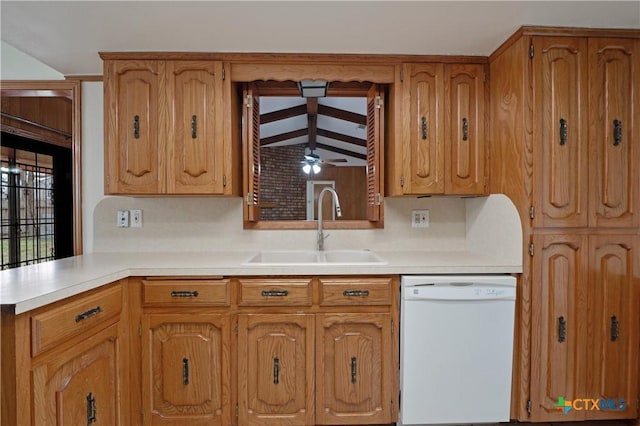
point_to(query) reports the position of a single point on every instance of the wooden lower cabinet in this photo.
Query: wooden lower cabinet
(185, 376)
(276, 369)
(585, 327)
(80, 386)
(353, 369)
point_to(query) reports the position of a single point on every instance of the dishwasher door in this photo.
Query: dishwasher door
(456, 349)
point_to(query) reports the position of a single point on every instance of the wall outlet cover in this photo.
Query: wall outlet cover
(136, 218)
(420, 218)
(123, 219)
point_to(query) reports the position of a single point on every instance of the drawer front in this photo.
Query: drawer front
(275, 292)
(366, 291)
(186, 292)
(65, 321)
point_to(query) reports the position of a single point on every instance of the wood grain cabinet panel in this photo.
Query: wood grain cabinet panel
(560, 81)
(165, 129)
(614, 135)
(353, 369)
(185, 375)
(276, 369)
(80, 386)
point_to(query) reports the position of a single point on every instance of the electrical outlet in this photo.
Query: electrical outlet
(123, 219)
(420, 219)
(136, 218)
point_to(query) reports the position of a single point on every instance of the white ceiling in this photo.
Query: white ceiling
(68, 35)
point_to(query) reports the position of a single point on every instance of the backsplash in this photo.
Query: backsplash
(212, 224)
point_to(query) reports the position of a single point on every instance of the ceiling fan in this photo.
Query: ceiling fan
(311, 161)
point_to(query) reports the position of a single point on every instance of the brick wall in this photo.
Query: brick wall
(282, 183)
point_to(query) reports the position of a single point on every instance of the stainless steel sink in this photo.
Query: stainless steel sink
(307, 257)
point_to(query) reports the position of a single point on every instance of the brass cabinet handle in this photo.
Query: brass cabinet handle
(92, 410)
(184, 294)
(562, 329)
(194, 126)
(276, 293)
(91, 312)
(423, 127)
(136, 126)
(615, 328)
(185, 371)
(563, 131)
(354, 369)
(617, 132)
(362, 293)
(465, 129)
(276, 370)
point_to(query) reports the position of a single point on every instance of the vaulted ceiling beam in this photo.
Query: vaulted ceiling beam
(341, 151)
(312, 117)
(342, 114)
(342, 137)
(282, 114)
(283, 137)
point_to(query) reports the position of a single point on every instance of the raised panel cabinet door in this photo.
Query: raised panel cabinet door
(185, 370)
(614, 142)
(276, 369)
(354, 369)
(134, 128)
(196, 152)
(558, 322)
(614, 273)
(423, 130)
(464, 129)
(560, 78)
(79, 388)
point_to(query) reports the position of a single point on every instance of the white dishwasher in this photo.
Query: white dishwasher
(456, 348)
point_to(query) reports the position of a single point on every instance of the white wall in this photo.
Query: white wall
(17, 65)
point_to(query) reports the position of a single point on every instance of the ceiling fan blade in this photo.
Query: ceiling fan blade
(335, 160)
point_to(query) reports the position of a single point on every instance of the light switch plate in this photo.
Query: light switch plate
(123, 219)
(420, 219)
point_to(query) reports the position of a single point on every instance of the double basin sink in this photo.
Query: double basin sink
(308, 257)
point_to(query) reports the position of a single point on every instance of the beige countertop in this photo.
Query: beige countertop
(30, 287)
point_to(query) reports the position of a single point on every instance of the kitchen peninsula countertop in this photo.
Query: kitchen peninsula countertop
(30, 287)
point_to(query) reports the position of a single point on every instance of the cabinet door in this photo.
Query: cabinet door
(185, 370)
(79, 387)
(196, 149)
(614, 133)
(558, 326)
(613, 325)
(560, 131)
(134, 130)
(464, 129)
(354, 369)
(276, 369)
(423, 155)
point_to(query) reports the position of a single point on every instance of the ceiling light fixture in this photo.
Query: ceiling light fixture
(311, 163)
(313, 88)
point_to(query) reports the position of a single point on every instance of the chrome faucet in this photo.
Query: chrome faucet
(321, 237)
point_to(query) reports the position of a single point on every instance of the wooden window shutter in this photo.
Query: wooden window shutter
(251, 120)
(375, 132)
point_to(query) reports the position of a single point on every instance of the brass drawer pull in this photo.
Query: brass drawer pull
(276, 293)
(184, 294)
(89, 313)
(360, 293)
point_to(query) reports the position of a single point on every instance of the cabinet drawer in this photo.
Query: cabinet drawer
(70, 319)
(275, 292)
(186, 292)
(368, 291)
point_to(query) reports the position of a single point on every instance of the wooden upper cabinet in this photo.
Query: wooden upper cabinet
(464, 129)
(442, 122)
(134, 141)
(423, 130)
(614, 142)
(560, 81)
(196, 154)
(165, 130)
